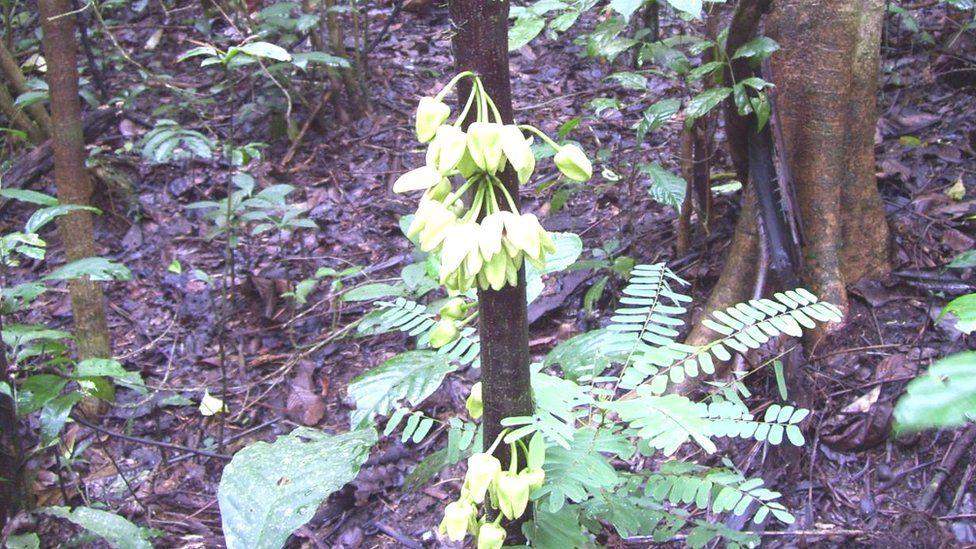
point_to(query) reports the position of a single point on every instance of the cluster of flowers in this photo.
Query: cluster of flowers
(481, 242)
(507, 491)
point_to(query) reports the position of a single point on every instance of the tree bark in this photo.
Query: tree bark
(71, 178)
(481, 45)
(826, 74)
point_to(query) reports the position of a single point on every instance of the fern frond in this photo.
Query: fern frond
(742, 327)
(719, 490)
(730, 419)
(414, 319)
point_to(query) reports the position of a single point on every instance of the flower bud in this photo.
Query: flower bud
(491, 536)
(535, 478)
(462, 240)
(483, 469)
(431, 113)
(443, 333)
(474, 404)
(437, 223)
(574, 164)
(454, 308)
(419, 179)
(447, 148)
(518, 152)
(490, 235)
(458, 515)
(485, 145)
(494, 271)
(513, 494)
(441, 190)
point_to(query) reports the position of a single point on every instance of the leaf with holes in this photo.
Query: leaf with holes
(269, 490)
(116, 530)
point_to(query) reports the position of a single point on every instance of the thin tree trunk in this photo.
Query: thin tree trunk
(11, 478)
(481, 45)
(866, 247)
(71, 177)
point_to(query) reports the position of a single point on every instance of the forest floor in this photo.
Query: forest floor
(856, 485)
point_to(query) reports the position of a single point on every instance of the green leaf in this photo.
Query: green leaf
(964, 309)
(208, 51)
(29, 98)
(411, 376)
(584, 355)
(24, 541)
(569, 246)
(656, 116)
(665, 187)
(369, 292)
(109, 367)
(302, 59)
(630, 80)
(114, 529)
(691, 7)
(626, 8)
(43, 216)
(760, 47)
(95, 268)
(268, 490)
(265, 50)
(29, 196)
(594, 293)
(524, 30)
(705, 101)
(556, 529)
(964, 260)
(54, 415)
(942, 397)
(704, 70)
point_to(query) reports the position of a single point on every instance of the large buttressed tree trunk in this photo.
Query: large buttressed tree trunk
(481, 46)
(826, 81)
(71, 177)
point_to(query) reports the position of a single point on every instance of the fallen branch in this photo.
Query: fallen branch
(957, 450)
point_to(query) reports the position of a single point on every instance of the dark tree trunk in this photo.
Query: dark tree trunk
(481, 46)
(71, 177)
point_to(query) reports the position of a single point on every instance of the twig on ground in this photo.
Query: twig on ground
(956, 451)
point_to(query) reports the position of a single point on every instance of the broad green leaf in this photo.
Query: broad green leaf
(265, 50)
(582, 355)
(27, 195)
(760, 47)
(630, 80)
(665, 187)
(303, 59)
(705, 101)
(942, 397)
(691, 7)
(656, 115)
(569, 246)
(411, 376)
(964, 260)
(23, 541)
(43, 216)
(560, 529)
(29, 98)
(626, 8)
(54, 414)
(109, 367)
(208, 51)
(95, 268)
(116, 530)
(964, 309)
(369, 292)
(524, 30)
(267, 491)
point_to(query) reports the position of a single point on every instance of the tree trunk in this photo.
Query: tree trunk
(826, 77)
(481, 45)
(71, 177)
(11, 476)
